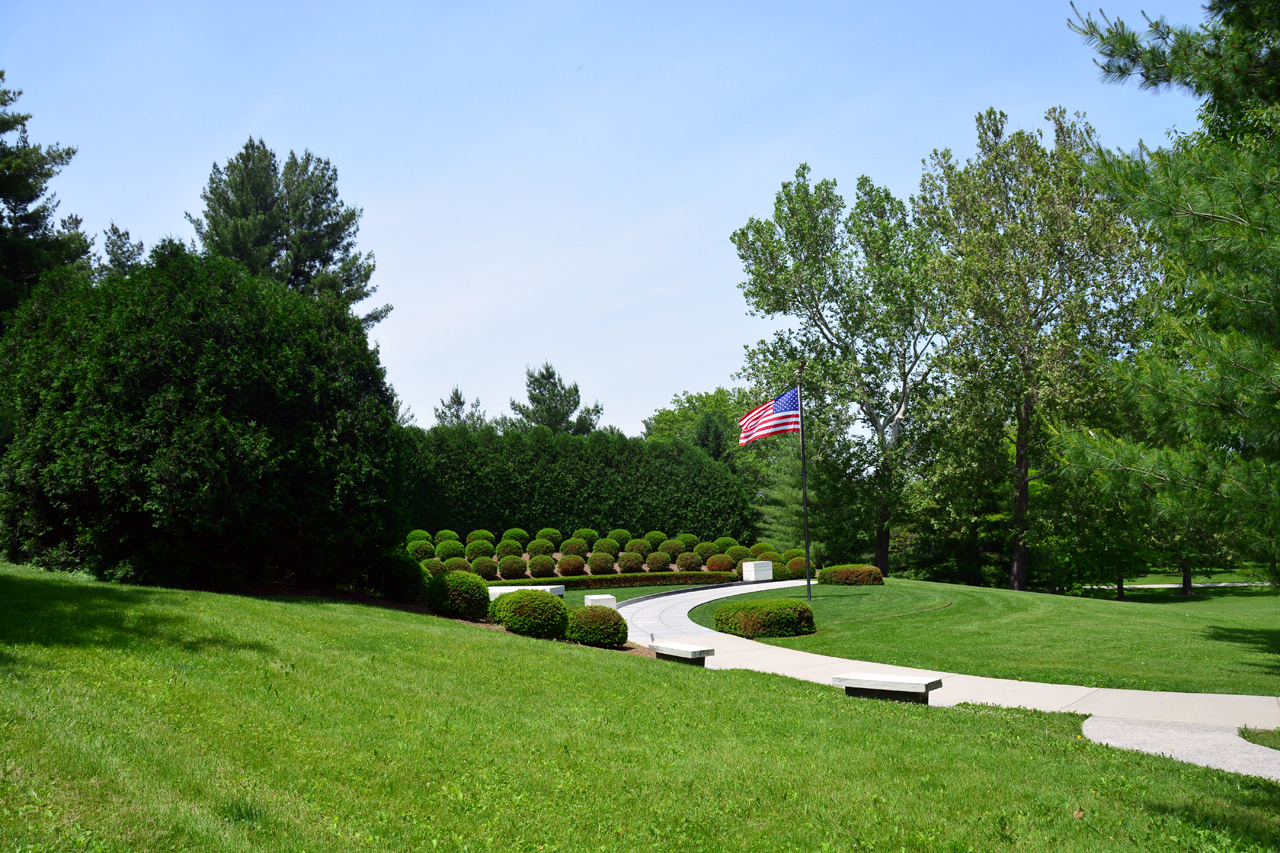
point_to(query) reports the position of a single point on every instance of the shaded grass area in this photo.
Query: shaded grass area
(1244, 575)
(1262, 737)
(146, 719)
(1224, 640)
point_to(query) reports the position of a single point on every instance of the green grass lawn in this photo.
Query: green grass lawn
(1263, 737)
(574, 597)
(1216, 576)
(147, 719)
(1224, 640)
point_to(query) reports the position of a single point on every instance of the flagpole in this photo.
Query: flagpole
(804, 489)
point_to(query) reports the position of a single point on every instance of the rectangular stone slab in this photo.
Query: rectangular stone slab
(757, 570)
(896, 688)
(495, 591)
(600, 601)
(682, 653)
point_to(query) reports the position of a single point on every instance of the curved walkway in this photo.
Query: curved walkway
(1201, 728)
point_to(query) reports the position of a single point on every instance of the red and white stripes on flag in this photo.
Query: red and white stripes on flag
(776, 416)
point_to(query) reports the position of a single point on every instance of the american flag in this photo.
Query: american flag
(776, 416)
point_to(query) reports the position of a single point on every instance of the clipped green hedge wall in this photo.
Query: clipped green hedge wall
(851, 575)
(765, 617)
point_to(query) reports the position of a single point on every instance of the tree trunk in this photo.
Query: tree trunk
(1186, 578)
(1119, 587)
(882, 537)
(1021, 495)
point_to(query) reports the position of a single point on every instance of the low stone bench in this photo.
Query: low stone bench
(682, 653)
(600, 601)
(896, 688)
(495, 591)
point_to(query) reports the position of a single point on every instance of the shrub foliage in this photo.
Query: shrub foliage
(458, 594)
(532, 612)
(765, 617)
(851, 575)
(596, 626)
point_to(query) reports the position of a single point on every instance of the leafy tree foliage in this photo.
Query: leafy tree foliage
(453, 411)
(552, 404)
(30, 244)
(287, 223)
(189, 423)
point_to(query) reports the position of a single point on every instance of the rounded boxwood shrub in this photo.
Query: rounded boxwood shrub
(571, 565)
(688, 540)
(796, 564)
(771, 556)
(458, 594)
(433, 566)
(658, 561)
(719, 563)
(516, 534)
(593, 625)
(457, 564)
(479, 548)
(541, 547)
(397, 576)
(417, 536)
(421, 549)
(575, 546)
(481, 534)
(673, 547)
(654, 538)
(533, 613)
(512, 567)
(765, 617)
(446, 536)
(607, 545)
(619, 535)
(586, 534)
(760, 547)
(705, 550)
(724, 543)
(542, 565)
(791, 553)
(450, 548)
(630, 561)
(639, 546)
(852, 575)
(737, 553)
(550, 534)
(485, 567)
(689, 561)
(601, 563)
(508, 548)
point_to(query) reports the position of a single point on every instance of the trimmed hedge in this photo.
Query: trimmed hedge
(516, 534)
(485, 567)
(449, 548)
(705, 550)
(542, 566)
(421, 549)
(765, 617)
(654, 538)
(550, 534)
(479, 548)
(792, 553)
(606, 545)
(512, 567)
(457, 564)
(433, 566)
(633, 579)
(658, 561)
(417, 536)
(397, 576)
(508, 548)
(630, 561)
(688, 562)
(541, 546)
(724, 543)
(458, 594)
(851, 575)
(796, 564)
(719, 563)
(571, 565)
(446, 536)
(674, 547)
(575, 546)
(639, 546)
(601, 563)
(593, 625)
(586, 534)
(759, 548)
(533, 613)
(737, 553)
(481, 534)
(619, 535)
(688, 540)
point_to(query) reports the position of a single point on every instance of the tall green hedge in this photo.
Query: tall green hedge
(464, 479)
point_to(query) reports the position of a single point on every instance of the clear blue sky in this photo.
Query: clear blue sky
(548, 181)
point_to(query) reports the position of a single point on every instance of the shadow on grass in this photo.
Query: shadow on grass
(1249, 824)
(52, 611)
(1264, 641)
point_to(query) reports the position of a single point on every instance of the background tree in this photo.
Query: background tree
(29, 243)
(287, 223)
(551, 404)
(453, 411)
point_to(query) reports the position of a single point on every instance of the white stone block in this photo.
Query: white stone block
(682, 653)
(495, 591)
(759, 570)
(884, 681)
(600, 601)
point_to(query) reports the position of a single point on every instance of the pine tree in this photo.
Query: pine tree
(551, 404)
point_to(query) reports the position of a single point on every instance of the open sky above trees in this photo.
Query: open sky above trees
(548, 184)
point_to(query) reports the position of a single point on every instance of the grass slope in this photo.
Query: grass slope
(1226, 640)
(147, 719)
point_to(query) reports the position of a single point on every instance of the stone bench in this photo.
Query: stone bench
(495, 591)
(757, 570)
(600, 601)
(896, 688)
(682, 653)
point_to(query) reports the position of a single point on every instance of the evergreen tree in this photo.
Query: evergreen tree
(453, 411)
(551, 404)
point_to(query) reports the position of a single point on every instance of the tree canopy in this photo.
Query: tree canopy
(552, 404)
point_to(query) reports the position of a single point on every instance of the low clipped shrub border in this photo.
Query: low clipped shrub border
(603, 627)
(851, 575)
(631, 579)
(765, 617)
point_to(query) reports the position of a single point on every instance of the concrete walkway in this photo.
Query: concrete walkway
(1201, 728)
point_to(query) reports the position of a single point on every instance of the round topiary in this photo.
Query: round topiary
(417, 536)
(765, 617)
(397, 576)
(705, 550)
(760, 547)
(479, 548)
(724, 543)
(541, 546)
(601, 563)
(458, 594)
(433, 566)
(791, 553)
(771, 556)
(446, 535)
(481, 534)
(630, 561)
(457, 564)
(555, 537)
(577, 547)
(533, 613)
(688, 540)
(485, 567)
(851, 575)
(719, 563)
(542, 565)
(586, 534)
(797, 564)
(512, 567)
(737, 553)
(689, 561)
(619, 535)
(516, 534)
(602, 627)
(673, 547)
(607, 545)
(658, 561)
(508, 548)
(571, 565)
(421, 549)
(639, 546)
(450, 548)
(654, 538)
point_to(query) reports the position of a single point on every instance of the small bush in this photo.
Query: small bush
(457, 564)
(481, 534)
(479, 548)
(724, 543)
(658, 561)
(417, 536)
(550, 534)
(630, 561)
(689, 561)
(601, 563)
(654, 538)
(515, 534)
(639, 546)
(765, 617)
(571, 565)
(791, 553)
(851, 575)
(607, 545)
(421, 549)
(619, 535)
(398, 577)
(688, 540)
(737, 553)
(533, 613)
(575, 546)
(796, 564)
(586, 534)
(719, 563)
(705, 550)
(542, 565)
(485, 567)
(512, 567)
(450, 548)
(541, 547)
(771, 556)
(458, 594)
(673, 547)
(446, 536)
(433, 566)
(760, 547)
(508, 548)
(602, 627)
